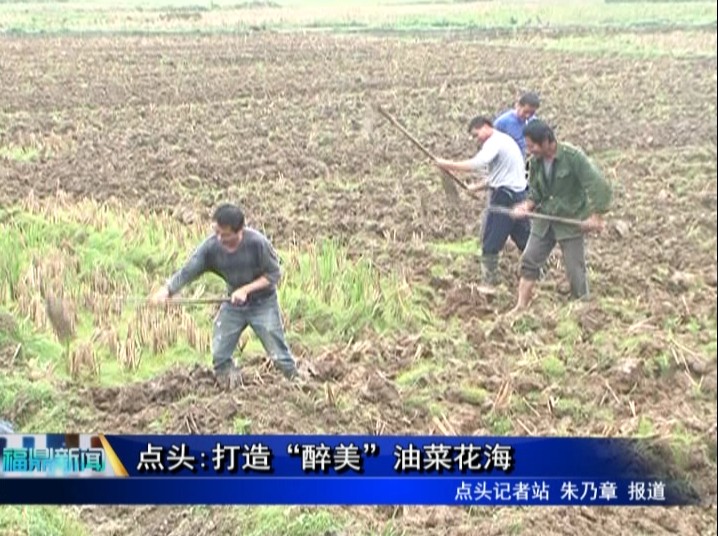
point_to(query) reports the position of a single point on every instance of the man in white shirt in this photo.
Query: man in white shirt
(506, 181)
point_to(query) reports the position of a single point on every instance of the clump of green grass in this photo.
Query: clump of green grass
(526, 324)
(500, 425)
(333, 294)
(242, 426)
(571, 407)
(553, 367)
(682, 444)
(419, 373)
(461, 248)
(473, 395)
(40, 521)
(568, 331)
(645, 427)
(19, 153)
(36, 405)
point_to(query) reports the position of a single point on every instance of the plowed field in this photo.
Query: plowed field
(283, 124)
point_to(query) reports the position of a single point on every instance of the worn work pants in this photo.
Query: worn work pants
(265, 320)
(498, 228)
(538, 250)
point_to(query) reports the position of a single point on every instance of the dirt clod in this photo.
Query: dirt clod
(682, 281)
(626, 374)
(622, 228)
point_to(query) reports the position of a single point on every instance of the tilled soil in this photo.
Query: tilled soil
(283, 124)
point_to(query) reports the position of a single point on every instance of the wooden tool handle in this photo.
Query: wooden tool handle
(177, 301)
(538, 216)
(421, 147)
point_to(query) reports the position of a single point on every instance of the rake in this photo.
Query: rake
(449, 180)
(59, 316)
(60, 320)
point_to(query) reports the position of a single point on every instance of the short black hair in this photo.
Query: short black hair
(229, 215)
(479, 121)
(530, 99)
(538, 132)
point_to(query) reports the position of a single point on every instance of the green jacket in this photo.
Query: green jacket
(576, 189)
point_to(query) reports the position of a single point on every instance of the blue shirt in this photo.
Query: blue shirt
(511, 124)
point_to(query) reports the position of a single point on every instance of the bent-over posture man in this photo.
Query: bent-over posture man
(247, 262)
(565, 183)
(507, 184)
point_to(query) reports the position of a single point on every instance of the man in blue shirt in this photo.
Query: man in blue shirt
(512, 122)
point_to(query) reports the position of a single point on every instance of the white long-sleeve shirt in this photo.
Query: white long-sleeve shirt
(504, 160)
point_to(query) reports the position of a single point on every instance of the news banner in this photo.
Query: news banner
(336, 470)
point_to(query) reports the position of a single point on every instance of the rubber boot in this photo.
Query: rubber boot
(489, 273)
(229, 376)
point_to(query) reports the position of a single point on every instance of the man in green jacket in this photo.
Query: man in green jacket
(563, 182)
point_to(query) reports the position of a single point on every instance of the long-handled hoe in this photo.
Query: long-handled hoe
(449, 180)
(61, 321)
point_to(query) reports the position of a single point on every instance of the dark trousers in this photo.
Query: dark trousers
(499, 227)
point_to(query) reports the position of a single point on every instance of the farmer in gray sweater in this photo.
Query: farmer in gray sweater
(247, 262)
